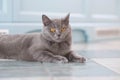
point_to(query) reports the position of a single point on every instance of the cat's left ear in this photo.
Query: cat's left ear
(66, 19)
(46, 21)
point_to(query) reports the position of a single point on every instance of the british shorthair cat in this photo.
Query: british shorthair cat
(53, 44)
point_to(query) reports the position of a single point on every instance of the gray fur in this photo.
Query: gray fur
(43, 47)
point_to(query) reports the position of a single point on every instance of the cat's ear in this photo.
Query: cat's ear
(66, 19)
(46, 21)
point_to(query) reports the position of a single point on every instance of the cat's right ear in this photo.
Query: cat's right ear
(46, 21)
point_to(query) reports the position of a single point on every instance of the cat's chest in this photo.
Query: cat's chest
(59, 48)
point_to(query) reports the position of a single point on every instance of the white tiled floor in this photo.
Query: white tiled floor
(111, 63)
(28, 78)
(87, 78)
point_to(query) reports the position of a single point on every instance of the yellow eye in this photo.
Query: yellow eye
(52, 29)
(63, 29)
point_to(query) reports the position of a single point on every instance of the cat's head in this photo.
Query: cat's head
(56, 29)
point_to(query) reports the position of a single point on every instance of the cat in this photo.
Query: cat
(53, 44)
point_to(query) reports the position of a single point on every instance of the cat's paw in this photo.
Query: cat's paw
(80, 60)
(60, 59)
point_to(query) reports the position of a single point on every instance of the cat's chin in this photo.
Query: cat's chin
(58, 40)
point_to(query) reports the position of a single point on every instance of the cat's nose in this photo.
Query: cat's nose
(58, 35)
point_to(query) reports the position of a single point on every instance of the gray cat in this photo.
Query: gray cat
(53, 44)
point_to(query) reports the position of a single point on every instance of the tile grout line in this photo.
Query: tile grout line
(94, 59)
(47, 71)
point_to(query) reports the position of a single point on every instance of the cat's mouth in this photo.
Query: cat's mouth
(58, 39)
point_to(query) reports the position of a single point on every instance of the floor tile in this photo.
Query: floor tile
(110, 63)
(86, 78)
(88, 69)
(19, 69)
(28, 78)
(100, 53)
(9, 69)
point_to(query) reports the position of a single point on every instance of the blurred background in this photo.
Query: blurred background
(91, 20)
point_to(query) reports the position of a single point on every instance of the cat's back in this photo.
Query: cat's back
(18, 39)
(12, 38)
(9, 38)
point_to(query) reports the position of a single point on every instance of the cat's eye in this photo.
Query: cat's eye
(52, 29)
(63, 29)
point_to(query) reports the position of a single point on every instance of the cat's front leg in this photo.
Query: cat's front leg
(73, 57)
(46, 56)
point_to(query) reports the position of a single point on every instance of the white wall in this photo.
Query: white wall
(21, 16)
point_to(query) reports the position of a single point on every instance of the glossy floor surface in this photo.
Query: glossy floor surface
(103, 63)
